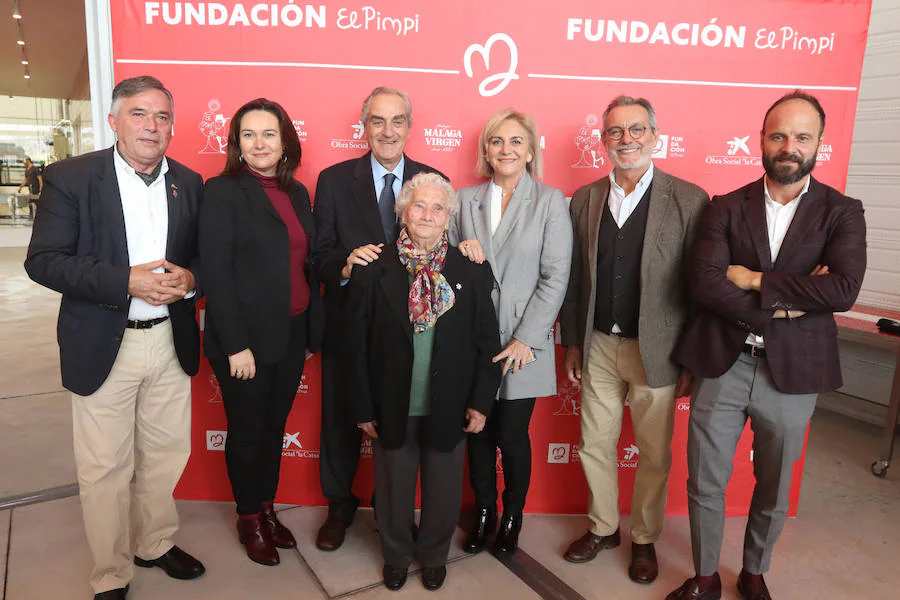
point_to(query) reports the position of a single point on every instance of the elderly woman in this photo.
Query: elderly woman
(263, 308)
(419, 335)
(523, 229)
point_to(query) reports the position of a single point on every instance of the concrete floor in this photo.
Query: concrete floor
(844, 544)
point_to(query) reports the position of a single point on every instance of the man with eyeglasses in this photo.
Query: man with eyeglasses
(355, 218)
(624, 311)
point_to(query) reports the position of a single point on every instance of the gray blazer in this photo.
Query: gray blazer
(530, 256)
(674, 212)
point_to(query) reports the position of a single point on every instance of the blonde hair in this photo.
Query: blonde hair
(535, 166)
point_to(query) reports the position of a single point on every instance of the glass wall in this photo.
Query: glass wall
(45, 129)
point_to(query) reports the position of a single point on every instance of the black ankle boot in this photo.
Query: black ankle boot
(485, 524)
(508, 535)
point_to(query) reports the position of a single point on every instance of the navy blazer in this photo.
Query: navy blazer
(828, 229)
(377, 346)
(246, 251)
(79, 248)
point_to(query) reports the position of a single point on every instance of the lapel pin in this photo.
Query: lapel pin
(174, 191)
(459, 286)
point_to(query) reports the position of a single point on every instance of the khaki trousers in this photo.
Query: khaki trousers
(137, 423)
(613, 371)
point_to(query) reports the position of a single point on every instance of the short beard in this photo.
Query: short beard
(784, 175)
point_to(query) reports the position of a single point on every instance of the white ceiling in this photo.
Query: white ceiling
(56, 45)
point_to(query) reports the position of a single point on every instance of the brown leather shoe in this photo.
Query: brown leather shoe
(331, 533)
(280, 534)
(752, 587)
(699, 588)
(643, 568)
(587, 546)
(254, 535)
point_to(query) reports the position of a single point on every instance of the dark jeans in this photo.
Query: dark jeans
(506, 428)
(257, 410)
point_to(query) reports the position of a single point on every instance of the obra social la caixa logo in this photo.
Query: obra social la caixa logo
(356, 141)
(291, 446)
(628, 457)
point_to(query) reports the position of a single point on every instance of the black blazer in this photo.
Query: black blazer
(378, 349)
(78, 248)
(347, 215)
(828, 229)
(245, 248)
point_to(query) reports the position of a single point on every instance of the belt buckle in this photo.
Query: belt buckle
(756, 352)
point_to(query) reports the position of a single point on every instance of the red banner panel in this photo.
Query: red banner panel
(710, 70)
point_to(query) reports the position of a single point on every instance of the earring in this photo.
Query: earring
(241, 157)
(283, 157)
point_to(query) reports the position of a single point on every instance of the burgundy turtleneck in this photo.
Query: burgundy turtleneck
(297, 240)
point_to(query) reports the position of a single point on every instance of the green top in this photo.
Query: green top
(420, 386)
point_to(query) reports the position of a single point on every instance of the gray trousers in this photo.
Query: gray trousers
(396, 472)
(719, 409)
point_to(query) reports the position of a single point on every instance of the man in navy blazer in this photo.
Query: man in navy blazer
(355, 218)
(772, 262)
(116, 235)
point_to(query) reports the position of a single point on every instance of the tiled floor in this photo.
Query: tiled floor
(844, 545)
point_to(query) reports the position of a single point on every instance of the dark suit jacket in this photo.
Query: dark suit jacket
(828, 229)
(672, 219)
(347, 217)
(245, 249)
(378, 349)
(78, 248)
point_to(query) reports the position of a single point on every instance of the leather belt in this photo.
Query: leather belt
(755, 351)
(146, 324)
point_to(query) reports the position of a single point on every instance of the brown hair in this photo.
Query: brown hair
(284, 172)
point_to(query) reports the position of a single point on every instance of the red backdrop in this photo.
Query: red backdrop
(710, 69)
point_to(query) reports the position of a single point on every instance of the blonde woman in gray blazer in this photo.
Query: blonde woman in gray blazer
(522, 228)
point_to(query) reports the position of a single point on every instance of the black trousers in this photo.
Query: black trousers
(340, 438)
(257, 410)
(507, 429)
(396, 472)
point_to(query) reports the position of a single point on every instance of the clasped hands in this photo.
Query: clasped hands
(749, 280)
(156, 288)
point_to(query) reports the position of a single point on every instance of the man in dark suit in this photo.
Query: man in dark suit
(116, 234)
(772, 262)
(355, 218)
(625, 308)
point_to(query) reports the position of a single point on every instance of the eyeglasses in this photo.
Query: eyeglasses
(616, 133)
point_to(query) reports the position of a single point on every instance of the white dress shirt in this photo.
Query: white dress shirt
(778, 220)
(496, 206)
(146, 226)
(621, 205)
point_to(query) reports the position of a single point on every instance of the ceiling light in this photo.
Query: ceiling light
(17, 14)
(20, 42)
(27, 76)
(24, 61)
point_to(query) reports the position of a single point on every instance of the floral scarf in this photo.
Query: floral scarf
(430, 295)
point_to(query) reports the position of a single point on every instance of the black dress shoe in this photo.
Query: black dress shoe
(508, 535)
(433, 577)
(116, 594)
(331, 533)
(699, 588)
(177, 564)
(485, 525)
(394, 578)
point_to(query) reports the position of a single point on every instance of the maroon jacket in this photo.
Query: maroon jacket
(828, 229)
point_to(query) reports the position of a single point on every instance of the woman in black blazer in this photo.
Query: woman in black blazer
(419, 334)
(263, 308)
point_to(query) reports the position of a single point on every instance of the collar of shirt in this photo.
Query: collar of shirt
(800, 195)
(122, 166)
(378, 173)
(621, 205)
